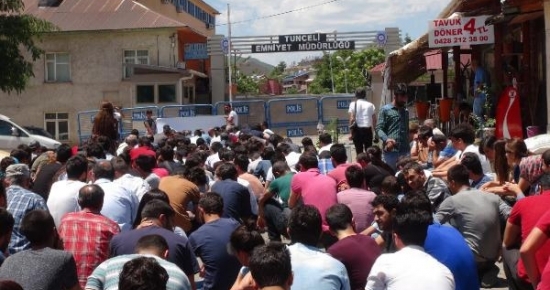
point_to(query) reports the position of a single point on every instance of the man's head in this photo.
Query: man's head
(304, 225)
(210, 203)
(424, 134)
(39, 228)
(120, 166)
(18, 174)
(544, 182)
(241, 163)
(462, 135)
(471, 161)
(400, 96)
(355, 176)
(143, 273)
(270, 266)
(390, 186)
(227, 170)
(325, 139)
(414, 175)
(103, 169)
(160, 212)
(152, 245)
(411, 227)
(458, 177)
(307, 161)
(227, 108)
(145, 164)
(131, 140)
(383, 208)
(77, 168)
(6, 227)
(360, 93)
(338, 154)
(279, 168)
(63, 153)
(91, 197)
(167, 130)
(339, 218)
(243, 240)
(430, 123)
(440, 142)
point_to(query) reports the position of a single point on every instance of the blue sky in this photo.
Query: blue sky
(411, 16)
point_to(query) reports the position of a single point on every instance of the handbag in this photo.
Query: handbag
(353, 127)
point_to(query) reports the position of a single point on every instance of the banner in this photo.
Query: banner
(460, 31)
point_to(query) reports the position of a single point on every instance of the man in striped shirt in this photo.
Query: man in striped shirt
(87, 234)
(106, 275)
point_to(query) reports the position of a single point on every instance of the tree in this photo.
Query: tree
(407, 39)
(352, 70)
(278, 71)
(246, 84)
(18, 33)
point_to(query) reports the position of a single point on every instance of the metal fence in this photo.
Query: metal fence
(85, 121)
(186, 110)
(250, 112)
(132, 118)
(293, 117)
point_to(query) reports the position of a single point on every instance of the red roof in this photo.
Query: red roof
(89, 15)
(378, 68)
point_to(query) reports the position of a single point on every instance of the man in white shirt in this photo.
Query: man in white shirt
(231, 118)
(410, 267)
(63, 196)
(361, 112)
(120, 204)
(325, 142)
(137, 185)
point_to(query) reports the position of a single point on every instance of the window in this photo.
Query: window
(156, 93)
(57, 124)
(5, 128)
(58, 67)
(135, 57)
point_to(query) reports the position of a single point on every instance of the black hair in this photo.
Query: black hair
(226, 155)
(459, 174)
(167, 153)
(308, 160)
(227, 171)
(20, 154)
(216, 146)
(196, 175)
(487, 142)
(471, 161)
(63, 153)
(304, 225)
(389, 202)
(270, 265)
(546, 157)
(338, 153)
(103, 169)
(143, 273)
(355, 176)
(390, 185)
(413, 166)
(325, 138)
(94, 150)
(145, 162)
(148, 196)
(91, 196)
(339, 217)
(375, 154)
(156, 242)
(267, 153)
(306, 141)
(425, 132)
(414, 201)
(211, 203)
(465, 132)
(245, 239)
(544, 181)
(37, 226)
(120, 165)
(6, 222)
(360, 93)
(76, 166)
(241, 161)
(438, 138)
(412, 226)
(154, 208)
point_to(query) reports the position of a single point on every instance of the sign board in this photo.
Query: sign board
(381, 38)
(460, 31)
(294, 109)
(225, 45)
(195, 51)
(241, 109)
(343, 129)
(308, 46)
(186, 112)
(343, 104)
(303, 38)
(138, 115)
(294, 132)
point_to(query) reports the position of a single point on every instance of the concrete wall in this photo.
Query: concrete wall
(96, 74)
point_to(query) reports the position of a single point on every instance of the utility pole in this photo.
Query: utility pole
(229, 55)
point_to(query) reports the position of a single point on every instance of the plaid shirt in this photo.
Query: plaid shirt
(87, 235)
(325, 166)
(393, 123)
(20, 202)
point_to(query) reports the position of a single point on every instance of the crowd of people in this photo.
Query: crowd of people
(422, 211)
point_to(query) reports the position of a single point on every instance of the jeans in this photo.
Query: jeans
(479, 104)
(510, 258)
(391, 158)
(276, 218)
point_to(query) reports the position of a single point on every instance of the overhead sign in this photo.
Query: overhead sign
(195, 51)
(308, 46)
(460, 31)
(303, 38)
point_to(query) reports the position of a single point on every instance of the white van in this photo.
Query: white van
(12, 135)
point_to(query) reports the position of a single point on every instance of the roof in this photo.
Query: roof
(152, 69)
(90, 15)
(408, 63)
(378, 68)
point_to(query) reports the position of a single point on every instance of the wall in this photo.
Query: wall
(96, 74)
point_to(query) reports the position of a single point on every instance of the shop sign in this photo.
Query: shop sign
(460, 31)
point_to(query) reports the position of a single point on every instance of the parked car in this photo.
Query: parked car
(12, 135)
(38, 131)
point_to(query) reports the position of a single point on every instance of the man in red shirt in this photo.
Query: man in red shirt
(339, 160)
(86, 234)
(144, 148)
(523, 218)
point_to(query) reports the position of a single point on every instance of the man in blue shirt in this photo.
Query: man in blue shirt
(480, 82)
(393, 127)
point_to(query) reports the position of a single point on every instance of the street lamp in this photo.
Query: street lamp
(345, 60)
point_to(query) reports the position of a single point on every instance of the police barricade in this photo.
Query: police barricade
(186, 110)
(336, 107)
(250, 112)
(85, 122)
(132, 118)
(293, 117)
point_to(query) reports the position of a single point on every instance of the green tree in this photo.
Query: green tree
(246, 84)
(407, 39)
(278, 71)
(346, 64)
(18, 33)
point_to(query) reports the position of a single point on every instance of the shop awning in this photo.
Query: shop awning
(141, 69)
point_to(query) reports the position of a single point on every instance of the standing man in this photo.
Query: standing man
(231, 117)
(150, 123)
(481, 81)
(393, 126)
(361, 112)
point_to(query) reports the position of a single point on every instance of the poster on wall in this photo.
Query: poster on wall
(460, 31)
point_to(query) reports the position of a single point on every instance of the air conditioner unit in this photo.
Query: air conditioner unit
(180, 65)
